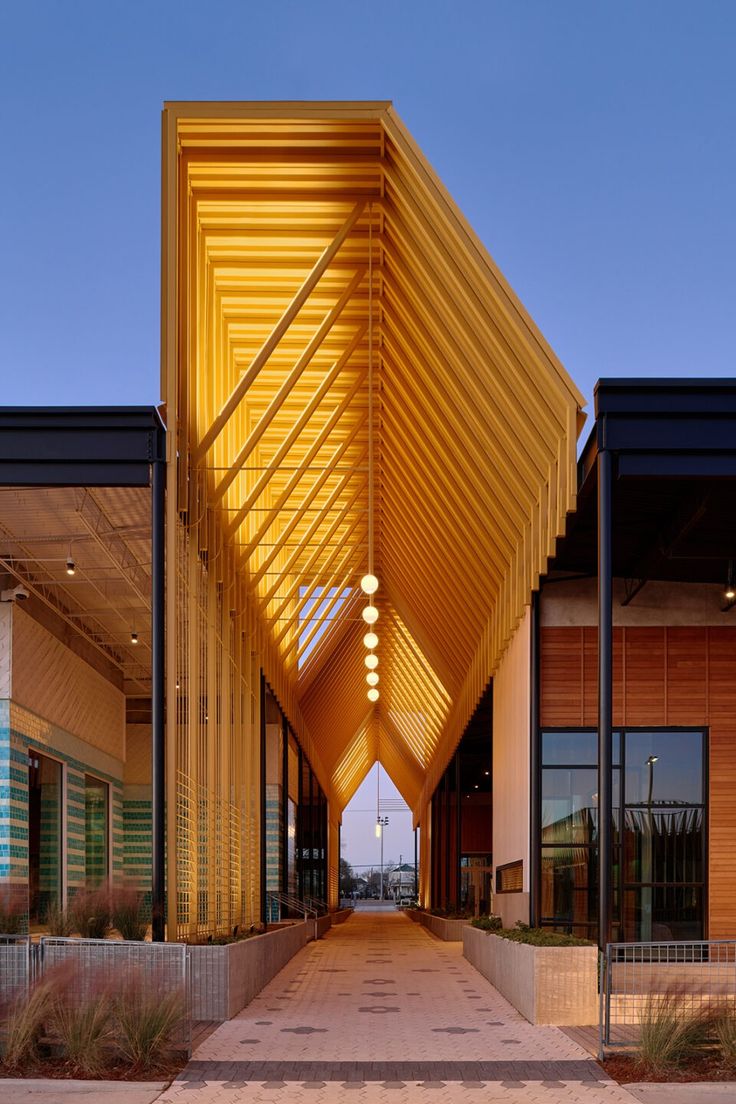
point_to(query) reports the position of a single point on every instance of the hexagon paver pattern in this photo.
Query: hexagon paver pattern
(432, 1043)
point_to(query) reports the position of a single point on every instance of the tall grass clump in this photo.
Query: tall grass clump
(126, 913)
(26, 1019)
(83, 1030)
(670, 1035)
(12, 914)
(89, 912)
(147, 1024)
(58, 920)
(725, 1033)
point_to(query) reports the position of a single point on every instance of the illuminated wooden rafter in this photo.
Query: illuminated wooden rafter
(274, 215)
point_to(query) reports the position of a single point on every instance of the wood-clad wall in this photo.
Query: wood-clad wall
(662, 676)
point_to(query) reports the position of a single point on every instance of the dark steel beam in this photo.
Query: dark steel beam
(158, 735)
(605, 695)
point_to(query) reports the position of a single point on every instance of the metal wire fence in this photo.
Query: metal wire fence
(144, 971)
(149, 970)
(16, 964)
(639, 979)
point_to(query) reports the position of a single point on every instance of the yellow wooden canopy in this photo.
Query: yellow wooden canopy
(285, 226)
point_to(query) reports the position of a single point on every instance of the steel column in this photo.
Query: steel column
(446, 898)
(605, 694)
(284, 805)
(262, 719)
(458, 832)
(158, 735)
(535, 768)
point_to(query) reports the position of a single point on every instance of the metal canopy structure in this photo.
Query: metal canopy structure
(309, 248)
(82, 494)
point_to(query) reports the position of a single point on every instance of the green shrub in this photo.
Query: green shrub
(146, 1024)
(126, 913)
(488, 923)
(89, 912)
(83, 1031)
(532, 937)
(670, 1036)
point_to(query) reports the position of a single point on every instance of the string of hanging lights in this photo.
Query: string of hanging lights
(369, 582)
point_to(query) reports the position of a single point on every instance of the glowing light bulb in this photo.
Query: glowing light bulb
(369, 584)
(370, 615)
(370, 640)
(373, 694)
(372, 678)
(371, 661)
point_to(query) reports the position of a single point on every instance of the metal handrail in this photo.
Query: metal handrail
(293, 903)
(321, 906)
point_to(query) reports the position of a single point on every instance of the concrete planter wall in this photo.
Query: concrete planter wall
(225, 979)
(341, 915)
(413, 914)
(321, 925)
(449, 930)
(548, 985)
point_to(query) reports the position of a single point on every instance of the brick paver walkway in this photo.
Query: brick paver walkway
(377, 1006)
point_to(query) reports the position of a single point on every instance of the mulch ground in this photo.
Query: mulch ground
(59, 1069)
(624, 1070)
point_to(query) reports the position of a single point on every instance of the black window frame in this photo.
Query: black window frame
(621, 887)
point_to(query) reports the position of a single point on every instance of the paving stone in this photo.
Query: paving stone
(323, 1040)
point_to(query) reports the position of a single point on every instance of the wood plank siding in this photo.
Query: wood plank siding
(662, 676)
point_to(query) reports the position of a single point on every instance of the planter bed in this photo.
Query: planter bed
(451, 931)
(341, 915)
(226, 978)
(548, 985)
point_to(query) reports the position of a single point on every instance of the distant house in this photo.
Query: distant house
(402, 881)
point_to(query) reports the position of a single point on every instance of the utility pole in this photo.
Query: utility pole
(381, 823)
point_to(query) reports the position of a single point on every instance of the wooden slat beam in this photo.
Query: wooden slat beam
(233, 401)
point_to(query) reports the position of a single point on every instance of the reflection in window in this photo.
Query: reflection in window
(570, 888)
(44, 835)
(96, 822)
(658, 859)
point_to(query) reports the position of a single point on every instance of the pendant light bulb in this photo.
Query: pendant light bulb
(369, 584)
(134, 637)
(373, 694)
(371, 661)
(370, 615)
(70, 566)
(372, 678)
(370, 640)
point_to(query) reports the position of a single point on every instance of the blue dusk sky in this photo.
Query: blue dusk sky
(591, 144)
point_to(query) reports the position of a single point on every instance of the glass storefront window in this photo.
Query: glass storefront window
(664, 845)
(658, 860)
(661, 913)
(475, 884)
(569, 810)
(96, 827)
(574, 748)
(44, 834)
(665, 768)
(569, 886)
